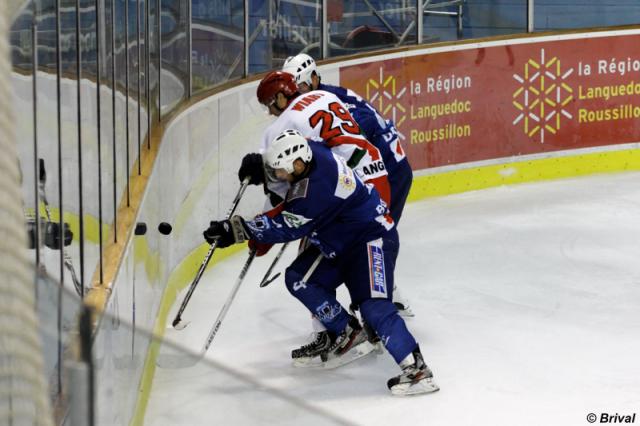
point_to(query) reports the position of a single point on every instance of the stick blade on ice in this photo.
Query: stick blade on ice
(177, 321)
(179, 324)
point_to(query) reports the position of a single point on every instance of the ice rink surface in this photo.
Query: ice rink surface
(527, 302)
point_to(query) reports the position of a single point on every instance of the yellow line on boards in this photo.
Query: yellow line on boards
(472, 179)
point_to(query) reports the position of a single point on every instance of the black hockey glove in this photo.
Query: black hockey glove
(227, 232)
(252, 168)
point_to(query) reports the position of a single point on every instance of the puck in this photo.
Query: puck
(164, 228)
(141, 228)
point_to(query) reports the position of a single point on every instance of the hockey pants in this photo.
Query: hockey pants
(367, 270)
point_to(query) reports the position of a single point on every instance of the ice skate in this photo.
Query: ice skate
(348, 346)
(304, 356)
(337, 351)
(416, 377)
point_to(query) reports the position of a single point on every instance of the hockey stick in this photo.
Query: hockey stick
(185, 360)
(177, 321)
(266, 280)
(42, 179)
(312, 269)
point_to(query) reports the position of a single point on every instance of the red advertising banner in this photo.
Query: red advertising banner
(501, 101)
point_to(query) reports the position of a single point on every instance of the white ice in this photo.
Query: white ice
(527, 302)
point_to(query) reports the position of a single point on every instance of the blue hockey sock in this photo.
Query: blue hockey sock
(383, 316)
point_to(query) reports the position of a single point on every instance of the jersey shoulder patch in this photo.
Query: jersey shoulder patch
(346, 184)
(298, 190)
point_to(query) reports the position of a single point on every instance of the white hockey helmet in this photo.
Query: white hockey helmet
(301, 66)
(285, 149)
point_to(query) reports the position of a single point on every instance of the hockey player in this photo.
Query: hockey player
(347, 223)
(380, 132)
(318, 114)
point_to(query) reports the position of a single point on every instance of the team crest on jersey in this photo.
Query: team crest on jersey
(346, 179)
(327, 312)
(347, 182)
(294, 220)
(258, 225)
(299, 190)
(377, 276)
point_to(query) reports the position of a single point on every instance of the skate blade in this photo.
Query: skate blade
(355, 353)
(406, 313)
(307, 362)
(423, 386)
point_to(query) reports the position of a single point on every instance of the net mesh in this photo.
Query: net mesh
(23, 390)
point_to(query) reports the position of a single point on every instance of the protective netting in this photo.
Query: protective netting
(23, 390)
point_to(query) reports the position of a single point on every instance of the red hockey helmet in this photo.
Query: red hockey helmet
(274, 82)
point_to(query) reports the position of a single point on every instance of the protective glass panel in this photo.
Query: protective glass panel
(362, 25)
(217, 34)
(480, 19)
(174, 78)
(21, 39)
(280, 29)
(552, 15)
(154, 59)
(129, 367)
(443, 20)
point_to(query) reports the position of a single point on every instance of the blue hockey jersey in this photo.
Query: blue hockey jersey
(331, 206)
(380, 132)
